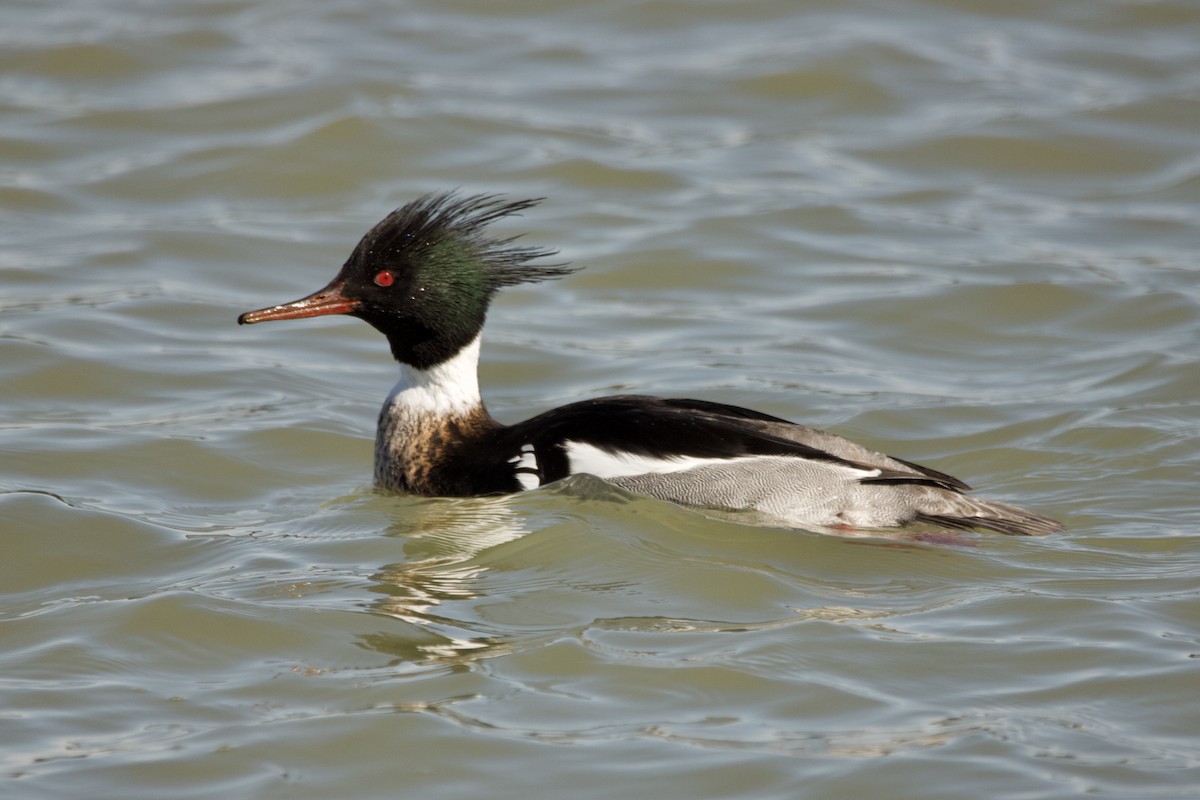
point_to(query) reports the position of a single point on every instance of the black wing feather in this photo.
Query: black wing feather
(663, 428)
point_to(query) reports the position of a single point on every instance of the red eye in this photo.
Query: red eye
(385, 278)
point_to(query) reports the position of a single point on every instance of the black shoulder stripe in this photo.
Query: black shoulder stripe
(658, 428)
(650, 426)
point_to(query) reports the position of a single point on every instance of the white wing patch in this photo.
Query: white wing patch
(526, 466)
(588, 458)
(604, 464)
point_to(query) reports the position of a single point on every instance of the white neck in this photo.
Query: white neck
(446, 390)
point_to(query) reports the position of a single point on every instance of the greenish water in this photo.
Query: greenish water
(962, 232)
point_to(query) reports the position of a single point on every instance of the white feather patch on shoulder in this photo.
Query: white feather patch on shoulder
(526, 465)
(588, 458)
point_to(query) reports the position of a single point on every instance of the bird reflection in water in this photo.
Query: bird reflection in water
(444, 539)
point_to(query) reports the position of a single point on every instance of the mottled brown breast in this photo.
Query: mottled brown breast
(431, 456)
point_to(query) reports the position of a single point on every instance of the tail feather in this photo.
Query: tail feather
(999, 517)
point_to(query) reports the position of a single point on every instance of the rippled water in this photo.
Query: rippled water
(963, 232)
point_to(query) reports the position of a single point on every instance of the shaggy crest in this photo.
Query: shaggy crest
(448, 218)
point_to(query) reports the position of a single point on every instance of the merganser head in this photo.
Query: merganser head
(425, 275)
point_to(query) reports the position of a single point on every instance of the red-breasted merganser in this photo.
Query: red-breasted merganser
(424, 277)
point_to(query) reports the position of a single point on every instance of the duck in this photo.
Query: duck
(425, 276)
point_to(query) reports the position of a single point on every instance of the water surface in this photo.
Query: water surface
(960, 232)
